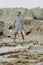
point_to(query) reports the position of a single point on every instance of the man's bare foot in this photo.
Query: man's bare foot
(23, 42)
(14, 41)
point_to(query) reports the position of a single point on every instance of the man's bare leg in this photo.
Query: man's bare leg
(15, 35)
(22, 35)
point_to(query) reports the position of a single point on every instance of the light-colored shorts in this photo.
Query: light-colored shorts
(18, 29)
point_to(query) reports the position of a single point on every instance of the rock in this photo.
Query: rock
(1, 27)
(33, 20)
(10, 27)
(29, 51)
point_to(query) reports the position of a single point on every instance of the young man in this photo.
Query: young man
(18, 25)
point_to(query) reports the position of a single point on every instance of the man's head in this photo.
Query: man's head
(18, 13)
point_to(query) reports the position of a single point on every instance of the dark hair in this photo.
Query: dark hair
(19, 12)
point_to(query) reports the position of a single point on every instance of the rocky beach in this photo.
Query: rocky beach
(29, 51)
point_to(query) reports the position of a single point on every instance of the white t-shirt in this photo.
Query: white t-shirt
(19, 21)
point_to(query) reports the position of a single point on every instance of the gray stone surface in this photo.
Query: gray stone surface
(29, 51)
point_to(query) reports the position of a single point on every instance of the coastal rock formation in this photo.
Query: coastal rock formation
(33, 19)
(29, 51)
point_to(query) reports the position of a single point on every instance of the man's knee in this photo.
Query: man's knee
(21, 32)
(16, 33)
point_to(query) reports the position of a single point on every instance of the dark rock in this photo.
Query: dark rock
(1, 33)
(28, 32)
(10, 27)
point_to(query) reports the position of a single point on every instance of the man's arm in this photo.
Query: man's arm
(22, 21)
